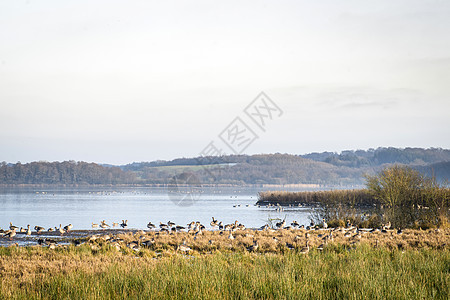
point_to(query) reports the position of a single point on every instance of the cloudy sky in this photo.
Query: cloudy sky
(122, 81)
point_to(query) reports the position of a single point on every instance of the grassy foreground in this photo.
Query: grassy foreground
(338, 272)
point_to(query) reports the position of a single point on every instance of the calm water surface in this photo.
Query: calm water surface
(82, 206)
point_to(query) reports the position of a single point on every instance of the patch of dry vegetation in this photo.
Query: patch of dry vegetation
(158, 265)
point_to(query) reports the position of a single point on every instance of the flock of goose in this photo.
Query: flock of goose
(195, 228)
(14, 230)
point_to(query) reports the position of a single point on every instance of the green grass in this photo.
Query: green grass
(337, 273)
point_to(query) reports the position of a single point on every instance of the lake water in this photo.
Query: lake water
(49, 207)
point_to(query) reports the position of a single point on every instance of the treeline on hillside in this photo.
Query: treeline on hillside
(254, 169)
(67, 172)
(380, 156)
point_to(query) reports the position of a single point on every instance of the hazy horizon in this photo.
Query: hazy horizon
(116, 83)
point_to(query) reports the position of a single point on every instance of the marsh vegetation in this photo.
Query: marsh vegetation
(347, 267)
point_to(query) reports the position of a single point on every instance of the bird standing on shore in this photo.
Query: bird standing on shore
(150, 225)
(325, 225)
(61, 230)
(305, 249)
(11, 226)
(214, 222)
(39, 229)
(124, 224)
(11, 233)
(104, 225)
(68, 227)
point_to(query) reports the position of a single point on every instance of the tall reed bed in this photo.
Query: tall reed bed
(359, 197)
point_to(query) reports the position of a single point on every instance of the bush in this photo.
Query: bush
(410, 199)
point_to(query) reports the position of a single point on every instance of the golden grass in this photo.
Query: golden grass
(109, 267)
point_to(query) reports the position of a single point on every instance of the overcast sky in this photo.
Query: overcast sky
(123, 81)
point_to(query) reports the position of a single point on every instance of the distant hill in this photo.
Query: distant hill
(328, 168)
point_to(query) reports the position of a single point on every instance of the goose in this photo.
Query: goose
(214, 222)
(323, 245)
(264, 227)
(11, 233)
(50, 229)
(94, 225)
(179, 228)
(163, 226)
(124, 224)
(221, 225)
(39, 229)
(191, 225)
(22, 230)
(280, 225)
(170, 224)
(28, 230)
(253, 247)
(104, 225)
(150, 225)
(305, 249)
(183, 247)
(61, 230)
(68, 227)
(295, 224)
(11, 226)
(325, 225)
(290, 246)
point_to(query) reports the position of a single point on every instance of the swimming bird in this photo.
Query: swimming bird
(68, 227)
(124, 224)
